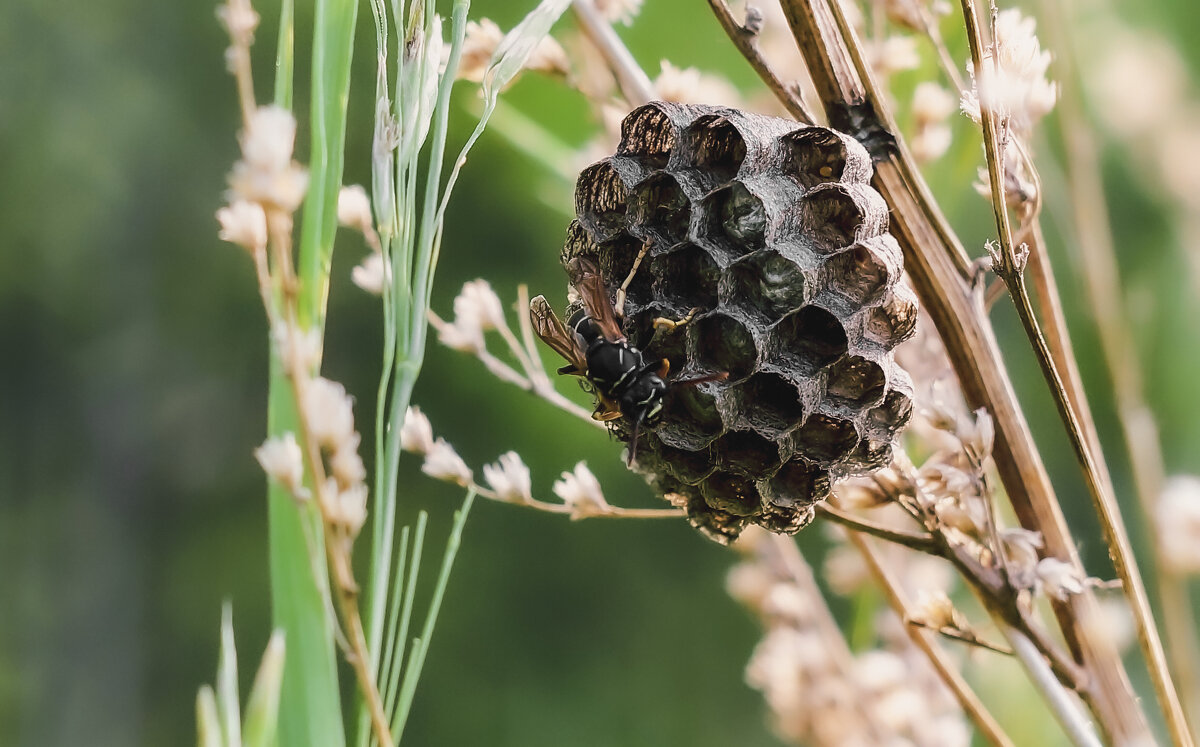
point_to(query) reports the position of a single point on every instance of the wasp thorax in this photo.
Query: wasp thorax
(769, 236)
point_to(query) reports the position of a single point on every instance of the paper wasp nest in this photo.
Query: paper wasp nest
(771, 230)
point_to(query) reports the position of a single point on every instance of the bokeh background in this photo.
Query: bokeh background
(132, 391)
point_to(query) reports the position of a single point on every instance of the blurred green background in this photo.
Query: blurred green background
(133, 380)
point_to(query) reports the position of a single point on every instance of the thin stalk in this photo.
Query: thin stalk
(1079, 730)
(919, 542)
(1097, 263)
(1095, 472)
(634, 83)
(285, 54)
(413, 671)
(923, 639)
(744, 39)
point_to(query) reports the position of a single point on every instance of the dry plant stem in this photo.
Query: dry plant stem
(1098, 264)
(924, 639)
(919, 542)
(1095, 472)
(1064, 708)
(610, 512)
(941, 273)
(634, 83)
(746, 42)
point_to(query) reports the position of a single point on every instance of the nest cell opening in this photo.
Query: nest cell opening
(809, 339)
(616, 258)
(747, 453)
(824, 439)
(870, 455)
(769, 403)
(659, 208)
(648, 134)
(639, 328)
(860, 274)
(815, 155)
(687, 277)
(737, 218)
(722, 343)
(798, 483)
(731, 493)
(716, 147)
(689, 467)
(893, 414)
(832, 218)
(691, 420)
(601, 200)
(895, 320)
(855, 382)
(766, 283)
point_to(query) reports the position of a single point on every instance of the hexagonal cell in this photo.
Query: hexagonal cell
(808, 339)
(893, 414)
(736, 216)
(833, 218)
(824, 439)
(855, 382)
(817, 155)
(601, 198)
(691, 420)
(746, 453)
(719, 342)
(895, 320)
(649, 133)
(615, 258)
(864, 272)
(656, 344)
(769, 403)
(798, 483)
(766, 283)
(659, 208)
(577, 244)
(715, 147)
(734, 494)
(869, 456)
(687, 276)
(689, 467)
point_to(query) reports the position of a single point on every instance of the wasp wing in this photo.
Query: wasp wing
(593, 292)
(554, 333)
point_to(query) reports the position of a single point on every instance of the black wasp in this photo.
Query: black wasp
(592, 343)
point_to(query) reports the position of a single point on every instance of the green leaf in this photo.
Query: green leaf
(262, 709)
(208, 723)
(228, 704)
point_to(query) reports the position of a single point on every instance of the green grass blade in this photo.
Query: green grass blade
(412, 672)
(285, 54)
(310, 711)
(262, 708)
(208, 723)
(229, 706)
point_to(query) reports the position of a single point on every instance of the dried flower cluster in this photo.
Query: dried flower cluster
(818, 691)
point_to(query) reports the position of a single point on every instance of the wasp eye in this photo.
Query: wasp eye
(768, 238)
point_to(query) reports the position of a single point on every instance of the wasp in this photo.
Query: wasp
(624, 381)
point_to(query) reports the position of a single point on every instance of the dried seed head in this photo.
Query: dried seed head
(266, 174)
(330, 413)
(509, 477)
(297, 348)
(281, 459)
(619, 11)
(770, 231)
(1059, 579)
(416, 435)
(1014, 75)
(243, 223)
(580, 490)
(354, 208)
(372, 274)
(1177, 518)
(482, 39)
(688, 85)
(442, 462)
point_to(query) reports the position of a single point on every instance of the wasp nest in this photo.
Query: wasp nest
(769, 231)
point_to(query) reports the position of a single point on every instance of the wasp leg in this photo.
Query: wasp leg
(670, 325)
(664, 368)
(571, 370)
(606, 410)
(621, 292)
